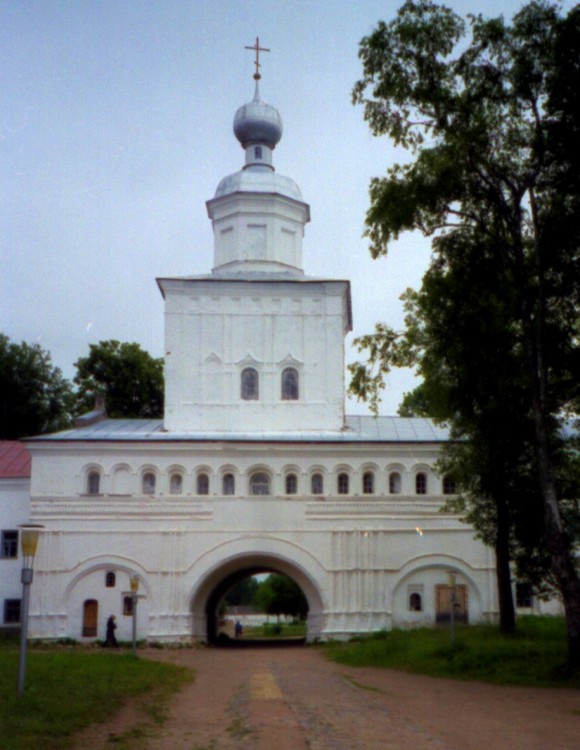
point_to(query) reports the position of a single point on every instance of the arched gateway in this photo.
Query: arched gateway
(216, 572)
(255, 464)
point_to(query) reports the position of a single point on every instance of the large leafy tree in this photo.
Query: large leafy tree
(34, 396)
(490, 124)
(129, 377)
(279, 595)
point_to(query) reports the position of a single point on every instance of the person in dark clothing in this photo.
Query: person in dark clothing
(238, 629)
(111, 627)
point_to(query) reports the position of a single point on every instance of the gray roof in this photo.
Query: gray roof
(359, 429)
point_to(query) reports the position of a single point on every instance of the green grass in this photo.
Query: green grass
(276, 630)
(535, 656)
(69, 688)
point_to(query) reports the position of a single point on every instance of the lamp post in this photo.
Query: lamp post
(451, 577)
(28, 542)
(134, 599)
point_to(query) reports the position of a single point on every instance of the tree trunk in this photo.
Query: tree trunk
(507, 614)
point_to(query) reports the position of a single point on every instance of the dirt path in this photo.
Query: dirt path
(294, 699)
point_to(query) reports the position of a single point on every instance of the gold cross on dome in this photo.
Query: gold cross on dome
(258, 49)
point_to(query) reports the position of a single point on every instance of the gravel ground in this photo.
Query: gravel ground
(294, 699)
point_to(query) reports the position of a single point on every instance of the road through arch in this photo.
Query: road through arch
(217, 571)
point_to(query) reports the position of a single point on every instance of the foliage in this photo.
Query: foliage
(490, 125)
(535, 656)
(66, 690)
(243, 593)
(129, 377)
(34, 396)
(279, 595)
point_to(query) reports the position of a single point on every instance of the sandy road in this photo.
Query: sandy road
(294, 699)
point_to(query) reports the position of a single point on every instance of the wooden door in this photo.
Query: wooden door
(90, 618)
(443, 603)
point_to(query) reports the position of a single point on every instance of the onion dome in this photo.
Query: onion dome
(258, 123)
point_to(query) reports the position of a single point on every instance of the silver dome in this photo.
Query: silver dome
(258, 122)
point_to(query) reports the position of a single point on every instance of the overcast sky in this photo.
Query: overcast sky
(116, 127)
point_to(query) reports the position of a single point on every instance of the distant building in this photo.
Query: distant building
(14, 511)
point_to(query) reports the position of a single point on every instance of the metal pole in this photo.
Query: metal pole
(26, 578)
(135, 599)
(452, 618)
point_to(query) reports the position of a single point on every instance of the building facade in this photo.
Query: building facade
(255, 467)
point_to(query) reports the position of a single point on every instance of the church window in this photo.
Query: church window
(249, 385)
(148, 483)
(291, 484)
(290, 384)
(176, 484)
(415, 603)
(9, 547)
(229, 484)
(257, 152)
(260, 484)
(110, 579)
(93, 483)
(368, 483)
(317, 484)
(342, 483)
(449, 487)
(203, 484)
(421, 483)
(128, 606)
(11, 611)
(395, 483)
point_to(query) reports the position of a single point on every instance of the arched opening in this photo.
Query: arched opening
(263, 607)
(212, 587)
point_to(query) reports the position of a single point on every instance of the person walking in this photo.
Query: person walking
(111, 627)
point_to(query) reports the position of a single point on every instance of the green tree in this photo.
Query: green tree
(280, 595)
(129, 377)
(243, 593)
(34, 396)
(490, 124)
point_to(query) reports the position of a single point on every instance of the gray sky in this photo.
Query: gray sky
(116, 127)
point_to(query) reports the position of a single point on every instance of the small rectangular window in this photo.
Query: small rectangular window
(11, 611)
(9, 544)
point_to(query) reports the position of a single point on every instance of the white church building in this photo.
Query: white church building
(255, 466)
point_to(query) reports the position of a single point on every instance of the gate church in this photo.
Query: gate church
(255, 466)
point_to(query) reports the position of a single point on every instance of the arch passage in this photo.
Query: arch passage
(215, 584)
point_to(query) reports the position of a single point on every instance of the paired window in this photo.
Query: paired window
(342, 483)
(449, 486)
(250, 384)
(176, 484)
(110, 579)
(148, 483)
(290, 384)
(11, 611)
(203, 484)
(421, 483)
(368, 483)
(317, 484)
(260, 484)
(291, 484)
(395, 484)
(9, 544)
(228, 484)
(93, 483)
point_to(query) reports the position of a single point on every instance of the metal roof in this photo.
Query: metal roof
(14, 460)
(358, 429)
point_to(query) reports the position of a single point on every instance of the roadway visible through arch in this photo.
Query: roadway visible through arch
(212, 588)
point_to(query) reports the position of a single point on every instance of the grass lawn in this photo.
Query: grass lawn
(276, 630)
(68, 688)
(535, 656)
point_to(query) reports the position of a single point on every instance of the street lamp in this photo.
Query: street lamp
(28, 542)
(134, 580)
(452, 578)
